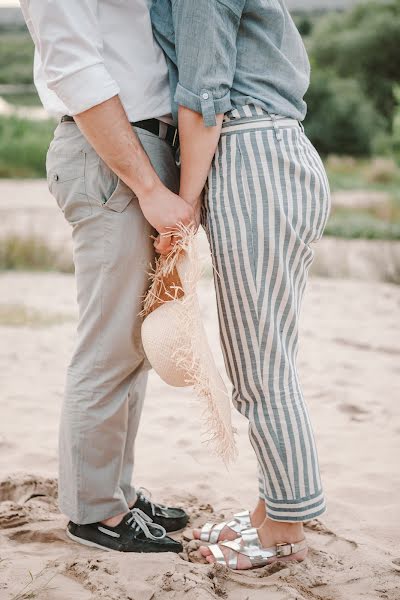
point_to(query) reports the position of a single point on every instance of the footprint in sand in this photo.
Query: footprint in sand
(327, 542)
(396, 562)
(26, 498)
(32, 536)
(356, 412)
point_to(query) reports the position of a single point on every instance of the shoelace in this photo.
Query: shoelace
(145, 495)
(139, 520)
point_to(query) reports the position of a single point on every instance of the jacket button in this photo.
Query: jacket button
(205, 96)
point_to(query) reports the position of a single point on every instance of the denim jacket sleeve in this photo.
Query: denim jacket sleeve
(205, 44)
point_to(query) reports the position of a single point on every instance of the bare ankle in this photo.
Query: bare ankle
(259, 514)
(113, 521)
(283, 531)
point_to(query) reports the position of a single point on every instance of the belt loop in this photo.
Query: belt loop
(278, 133)
(175, 139)
(301, 126)
(163, 130)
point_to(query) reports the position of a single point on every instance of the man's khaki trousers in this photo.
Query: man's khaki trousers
(107, 375)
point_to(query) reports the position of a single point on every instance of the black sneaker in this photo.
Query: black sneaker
(171, 519)
(135, 533)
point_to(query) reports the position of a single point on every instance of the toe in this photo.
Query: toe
(205, 551)
(196, 534)
(210, 559)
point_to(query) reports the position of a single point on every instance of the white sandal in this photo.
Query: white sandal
(210, 531)
(250, 546)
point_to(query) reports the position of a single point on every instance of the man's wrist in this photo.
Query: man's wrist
(146, 187)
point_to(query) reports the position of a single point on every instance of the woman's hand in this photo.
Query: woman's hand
(195, 202)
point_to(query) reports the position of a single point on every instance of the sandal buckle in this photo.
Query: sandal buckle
(280, 549)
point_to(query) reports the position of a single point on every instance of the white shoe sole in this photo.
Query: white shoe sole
(88, 543)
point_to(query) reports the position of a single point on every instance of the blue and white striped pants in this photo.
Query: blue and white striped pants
(268, 200)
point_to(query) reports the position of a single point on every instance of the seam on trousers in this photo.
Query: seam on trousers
(247, 197)
(96, 362)
(85, 179)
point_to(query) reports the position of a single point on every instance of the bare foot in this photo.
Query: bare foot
(270, 534)
(257, 517)
(114, 521)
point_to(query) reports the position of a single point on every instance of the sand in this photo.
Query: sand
(349, 365)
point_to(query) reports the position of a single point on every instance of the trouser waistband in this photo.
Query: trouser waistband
(252, 117)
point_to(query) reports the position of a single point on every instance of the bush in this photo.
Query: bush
(396, 124)
(304, 25)
(23, 146)
(16, 58)
(363, 43)
(31, 254)
(341, 119)
(353, 224)
(382, 170)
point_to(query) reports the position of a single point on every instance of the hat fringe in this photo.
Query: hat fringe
(220, 434)
(165, 265)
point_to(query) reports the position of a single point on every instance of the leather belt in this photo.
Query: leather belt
(166, 132)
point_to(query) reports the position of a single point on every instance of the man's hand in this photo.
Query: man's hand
(164, 210)
(127, 158)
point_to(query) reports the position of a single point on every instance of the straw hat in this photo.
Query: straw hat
(175, 341)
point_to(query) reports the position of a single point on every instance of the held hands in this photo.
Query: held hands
(164, 210)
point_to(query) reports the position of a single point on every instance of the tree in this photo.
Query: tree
(341, 119)
(363, 44)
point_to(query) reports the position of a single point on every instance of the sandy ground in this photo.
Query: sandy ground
(349, 363)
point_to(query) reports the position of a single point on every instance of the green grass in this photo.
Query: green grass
(16, 57)
(23, 146)
(19, 315)
(31, 254)
(348, 173)
(359, 224)
(378, 221)
(23, 99)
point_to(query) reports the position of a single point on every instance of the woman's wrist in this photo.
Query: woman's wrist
(192, 199)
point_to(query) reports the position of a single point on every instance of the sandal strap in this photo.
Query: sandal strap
(205, 531)
(215, 531)
(250, 546)
(210, 531)
(285, 549)
(241, 521)
(250, 539)
(218, 554)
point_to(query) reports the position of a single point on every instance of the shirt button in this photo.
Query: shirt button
(205, 96)
(55, 177)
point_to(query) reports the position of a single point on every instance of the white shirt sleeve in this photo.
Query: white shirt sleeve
(68, 40)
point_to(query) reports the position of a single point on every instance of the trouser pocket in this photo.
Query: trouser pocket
(66, 181)
(106, 188)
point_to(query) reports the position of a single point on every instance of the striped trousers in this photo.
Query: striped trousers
(268, 201)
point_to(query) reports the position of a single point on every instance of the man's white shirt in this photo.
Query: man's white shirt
(88, 51)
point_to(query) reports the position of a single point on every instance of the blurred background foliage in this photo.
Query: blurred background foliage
(355, 58)
(23, 146)
(16, 57)
(353, 111)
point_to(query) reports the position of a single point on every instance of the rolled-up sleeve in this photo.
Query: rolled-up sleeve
(68, 40)
(205, 40)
